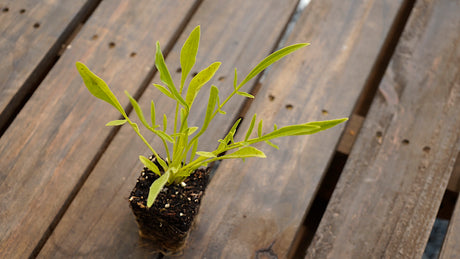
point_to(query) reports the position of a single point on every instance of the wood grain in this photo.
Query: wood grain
(388, 196)
(254, 209)
(59, 133)
(99, 222)
(450, 248)
(31, 37)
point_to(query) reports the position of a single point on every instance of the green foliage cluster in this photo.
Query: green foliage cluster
(184, 140)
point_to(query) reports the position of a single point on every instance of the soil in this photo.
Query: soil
(169, 219)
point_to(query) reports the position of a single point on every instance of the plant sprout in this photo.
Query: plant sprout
(184, 139)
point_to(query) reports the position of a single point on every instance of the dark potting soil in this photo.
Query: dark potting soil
(171, 216)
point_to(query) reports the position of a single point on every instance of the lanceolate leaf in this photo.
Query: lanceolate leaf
(116, 123)
(98, 87)
(150, 165)
(251, 127)
(138, 110)
(287, 131)
(164, 90)
(152, 114)
(199, 80)
(272, 58)
(156, 187)
(213, 97)
(244, 152)
(165, 76)
(324, 125)
(188, 53)
(206, 154)
(245, 94)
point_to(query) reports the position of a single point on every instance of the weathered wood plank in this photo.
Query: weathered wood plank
(53, 142)
(450, 248)
(31, 37)
(388, 196)
(254, 209)
(454, 182)
(239, 33)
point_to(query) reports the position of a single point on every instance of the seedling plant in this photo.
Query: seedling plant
(184, 158)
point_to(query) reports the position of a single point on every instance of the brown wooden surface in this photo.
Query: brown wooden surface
(53, 141)
(454, 182)
(450, 247)
(65, 178)
(31, 37)
(99, 222)
(387, 198)
(253, 209)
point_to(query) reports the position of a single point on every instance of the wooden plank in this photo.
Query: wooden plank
(450, 247)
(254, 209)
(51, 145)
(239, 33)
(31, 37)
(388, 196)
(350, 133)
(454, 182)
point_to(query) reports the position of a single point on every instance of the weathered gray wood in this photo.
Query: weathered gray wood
(99, 222)
(451, 248)
(254, 209)
(31, 37)
(388, 196)
(48, 149)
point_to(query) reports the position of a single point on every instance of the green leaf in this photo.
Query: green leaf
(272, 58)
(152, 114)
(245, 94)
(138, 110)
(116, 123)
(164, 91)
(205, 154)
(213, 97)
(231, 133)
(156, 188)
(323, 125)
(259, 129)
(150, 165)
(98, 87)
(188, 53)
(244, 152)
(165, 76)
(199, 80)
(164, 136)
(192, 130)
(301, 129)
(271, 144)
(251, 127)
(165, 122)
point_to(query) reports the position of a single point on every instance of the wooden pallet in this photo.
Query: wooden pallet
(65, 178)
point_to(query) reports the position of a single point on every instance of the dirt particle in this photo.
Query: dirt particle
(22, 11)
(133, 54)
(36, 25)
(426, 149)
(222, 78)
(289, 107)
(94, 37)
(5, 9)
(324, 112)
(405, 142)
(112, 45)
(271, 98)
